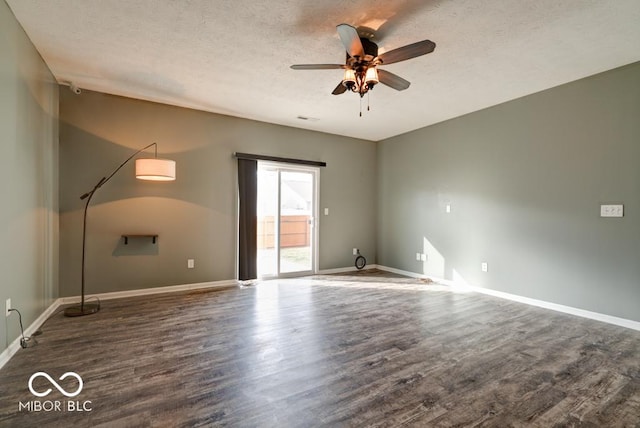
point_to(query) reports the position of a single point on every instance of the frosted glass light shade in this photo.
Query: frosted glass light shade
(349, 77)
(155, 169)
(371, 76)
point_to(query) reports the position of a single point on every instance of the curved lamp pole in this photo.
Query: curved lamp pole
(146, 169)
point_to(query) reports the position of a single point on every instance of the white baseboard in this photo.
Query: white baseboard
(409, 274)
(344, 269)
(610, 319)
(154, 290)
(14, 347)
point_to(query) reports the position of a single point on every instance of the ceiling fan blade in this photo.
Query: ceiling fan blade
(350, 40)
(393, 80)
(407, 52)
(316, 66)
(340, 89)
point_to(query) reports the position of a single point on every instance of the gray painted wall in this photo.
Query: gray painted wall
(28, 164)
(195, 216)
(525, 180)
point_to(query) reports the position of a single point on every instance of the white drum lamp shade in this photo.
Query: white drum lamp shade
(155, 169)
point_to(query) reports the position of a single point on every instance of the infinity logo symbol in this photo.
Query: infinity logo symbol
(54, 383)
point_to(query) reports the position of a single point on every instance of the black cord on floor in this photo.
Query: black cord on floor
(24, 341)
(28, 342)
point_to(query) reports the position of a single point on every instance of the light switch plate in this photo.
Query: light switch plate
(612, 210)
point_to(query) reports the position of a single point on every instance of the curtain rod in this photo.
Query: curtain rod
(278, 159)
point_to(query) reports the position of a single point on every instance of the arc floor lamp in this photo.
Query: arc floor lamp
(153, 169)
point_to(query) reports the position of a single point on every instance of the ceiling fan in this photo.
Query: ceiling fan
(361, 71)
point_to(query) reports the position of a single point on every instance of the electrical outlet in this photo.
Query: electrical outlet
(355, 251)
(484, 267)
(191, 263)
(8, 307)
(418, 257)
(447, 208)
(423, 257)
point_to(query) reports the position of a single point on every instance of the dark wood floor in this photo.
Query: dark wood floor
(330, 351)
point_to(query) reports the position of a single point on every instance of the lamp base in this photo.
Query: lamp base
(82, 310)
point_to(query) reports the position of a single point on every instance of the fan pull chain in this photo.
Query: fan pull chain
(368, 109)
(360, 106)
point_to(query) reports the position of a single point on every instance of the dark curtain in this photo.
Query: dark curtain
(248, 228)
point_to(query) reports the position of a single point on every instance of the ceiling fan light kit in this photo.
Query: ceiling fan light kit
(361, 72)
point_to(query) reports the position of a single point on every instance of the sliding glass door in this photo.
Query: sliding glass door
(287, 238)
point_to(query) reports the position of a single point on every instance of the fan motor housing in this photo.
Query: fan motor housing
(370, 50)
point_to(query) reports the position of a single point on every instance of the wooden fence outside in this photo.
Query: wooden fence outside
(295, 231)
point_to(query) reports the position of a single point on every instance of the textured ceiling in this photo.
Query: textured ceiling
(233, 57)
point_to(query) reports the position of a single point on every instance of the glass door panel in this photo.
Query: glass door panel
(296, 221)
